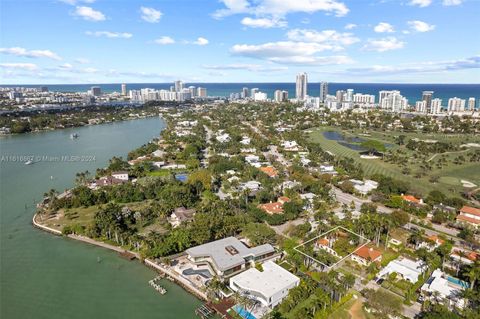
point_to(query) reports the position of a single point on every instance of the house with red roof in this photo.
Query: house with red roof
(276, 207)
(469, 216)
(431, 243)
(327, 245)
(365, 255)
(412, 199)
(269, 170)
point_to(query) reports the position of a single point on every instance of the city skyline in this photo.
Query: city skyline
(262, 41)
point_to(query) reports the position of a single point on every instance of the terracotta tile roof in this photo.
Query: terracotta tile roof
(410, 198)
(470, 210)
(436, 239)
(367, 253)
(272, 208)
(269, 170)
(323, 242)
(468, 219)
(283, 199)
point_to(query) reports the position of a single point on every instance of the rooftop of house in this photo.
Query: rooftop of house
(408, 268)
(228, 252)
(268, 282)
(368, 253)
(470, 210)
(269, 170)
(439, 282)
(183, 214)
(272, 208)
(411, 199)
(436, 239)
(468, 219)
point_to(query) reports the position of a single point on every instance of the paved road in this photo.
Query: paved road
(346, 198)
(273, 151)
(430, 232)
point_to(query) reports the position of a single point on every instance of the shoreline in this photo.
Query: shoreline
(80, 126)
(175, 278)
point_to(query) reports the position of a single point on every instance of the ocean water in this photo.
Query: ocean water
(51, 277)
(412, 92)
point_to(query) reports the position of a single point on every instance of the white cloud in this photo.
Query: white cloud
(88, 70)
(314, 60)
(82, 60)
(332, 37)
(74, 2)
(350, 26)
(22, 52)
(452, 2)
(164, 40)
(383, 27)
(89, 14)
(150, 14)
(264, 22)
(280, 8)
(384, 44)
(65, 66)
(201, 41)
(242, 66)
(423, 67)
(19, 66)
(420, 26)
(108, 34)
(420, 3)
(289, 52)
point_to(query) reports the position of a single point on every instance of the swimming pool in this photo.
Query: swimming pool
(457, 282)
(243, 312)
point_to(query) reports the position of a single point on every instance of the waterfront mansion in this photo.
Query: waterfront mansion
(229, 256)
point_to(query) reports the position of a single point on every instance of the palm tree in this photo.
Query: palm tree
(473, 273)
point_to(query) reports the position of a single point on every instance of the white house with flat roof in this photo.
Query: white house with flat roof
(227, 257)
(407, 269)
(269, 286)
(444, 289)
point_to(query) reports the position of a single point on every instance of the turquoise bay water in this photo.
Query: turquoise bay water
(45, 276)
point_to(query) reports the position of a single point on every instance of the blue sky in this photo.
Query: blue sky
(113, 41)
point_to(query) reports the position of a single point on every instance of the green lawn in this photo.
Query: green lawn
(450, 175)
(83, 215)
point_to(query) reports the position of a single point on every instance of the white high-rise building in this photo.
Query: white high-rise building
(421, 106)
(349, 96)
(245, 93)
(301, 86)
(253, 91)
(323, 91)
(178, 86)
(124, 89)
(427, 97)
(360, 98)
(201, 92)
(471, 104)
(456, 104)
(135, 95)
(193, 91)
(383, 94)
(393, 101)
(436, 106)
(260, 96)
(281, 96)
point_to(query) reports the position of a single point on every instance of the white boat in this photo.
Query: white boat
(29, 162)
(74, 135)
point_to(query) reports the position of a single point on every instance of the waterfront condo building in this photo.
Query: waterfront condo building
(301, 86)
(456, 104)
(323, 91)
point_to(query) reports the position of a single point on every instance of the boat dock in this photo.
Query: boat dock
(204, 311)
